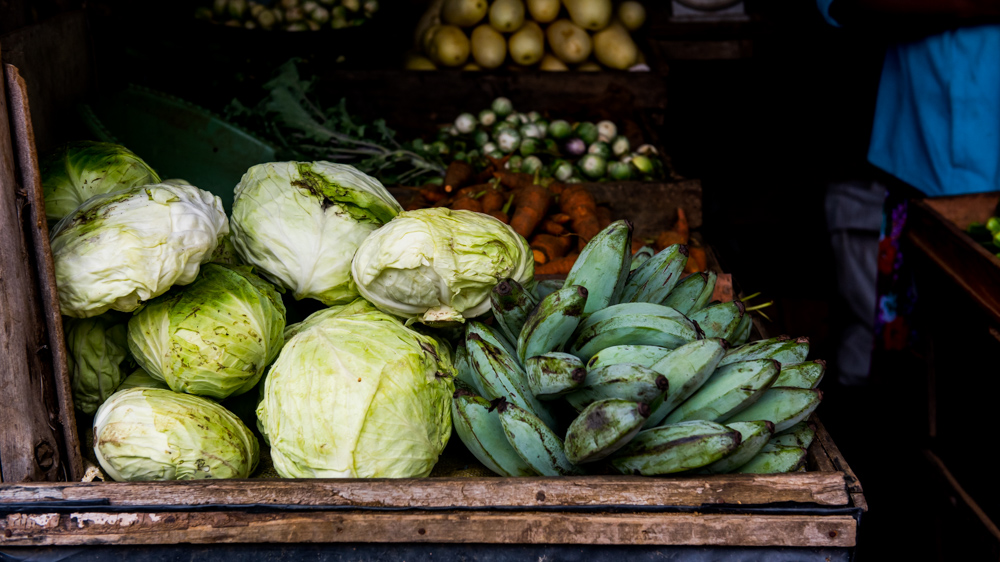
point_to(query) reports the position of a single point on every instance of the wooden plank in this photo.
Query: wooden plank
(38, 231)
(963, 210)
(971, 266)
(86, 528)
(833, 452)
(588, 491)
(30, 443)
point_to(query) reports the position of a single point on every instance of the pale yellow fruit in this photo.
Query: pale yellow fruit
(614, 47)
(464, 13)
(472, 67)
(428, 36)
(589, 14)
(552, 63)
(544, 11)
(507, 15)
(449, 47)
(417, 62)
(569, 41)
(589, 66)
(489, 47)
(527, 45)
(632, 15)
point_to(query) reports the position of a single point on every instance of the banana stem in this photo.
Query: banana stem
(748, 297)
(759, 306)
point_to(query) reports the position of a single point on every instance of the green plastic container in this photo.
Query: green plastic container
(178, 139)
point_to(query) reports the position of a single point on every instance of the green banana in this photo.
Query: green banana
(782, 406)
(490, 334)
(500, 375)
(629, 309)
(730, 389)
(624, 381)
(719, 320)
(645, 355)
(686, 368)
(466, 374)
(799, 435)
(478, 426)
(775, 459)
(747, 351)
(653, 280)
(602, 428)
(511, 304)
(807, 374)
(603, 265)
(676, 448)
(684, 296)
(552, 323)
(706, 293)
(635, 329)
(640, 257)
(786, 351)
(753, 437)
(742, 334)
(534, 442)
(554, 374)
(546, 287)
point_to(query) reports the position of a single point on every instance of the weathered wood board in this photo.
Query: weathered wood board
(93, 528)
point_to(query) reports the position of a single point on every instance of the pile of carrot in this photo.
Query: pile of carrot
(557, 219)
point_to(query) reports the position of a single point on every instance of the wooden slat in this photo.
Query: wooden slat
(592, 491)
(30, 442)
(38, 231)
(967, 500)
(467, 527)
(971, 266)
(824, 439)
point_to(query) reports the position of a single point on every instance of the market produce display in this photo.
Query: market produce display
(544, 34)
(366, 387)
(652, 390)
(288, 15)
(570, 152)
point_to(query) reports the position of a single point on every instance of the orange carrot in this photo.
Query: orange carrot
(577, 202)
(514, 180)
(492, 200)
(416, 202)
(547, 247)
(532, 203)
(560, 218)
(467, 204)
(458, 175)
(682, 224)
(669, 238)
(500, 216)
(432, 193)
(697, 260)
(548, 226)
(560, 266)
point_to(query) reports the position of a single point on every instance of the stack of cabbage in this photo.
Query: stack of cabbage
(554, 35)
(642, 364)
(146, 273)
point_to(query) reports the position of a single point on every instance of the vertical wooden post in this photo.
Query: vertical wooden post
(32, 425)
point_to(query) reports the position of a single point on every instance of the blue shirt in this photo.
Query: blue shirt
(937, 116)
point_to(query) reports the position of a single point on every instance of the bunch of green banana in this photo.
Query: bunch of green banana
(628, 366)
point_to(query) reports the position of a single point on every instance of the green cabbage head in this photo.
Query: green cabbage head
(299, 224)
(213, 337)
(438, 265)
(141, 379)
(97, 349)
(79, 170)
(156, 434)
(357, 394)
(122, 248)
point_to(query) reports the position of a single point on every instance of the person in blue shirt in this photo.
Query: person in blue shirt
(936, 131)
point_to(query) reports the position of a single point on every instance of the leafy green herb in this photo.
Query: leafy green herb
(304, 130)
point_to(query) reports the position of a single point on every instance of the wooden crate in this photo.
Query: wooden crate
(817, 508)
(936, 227)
